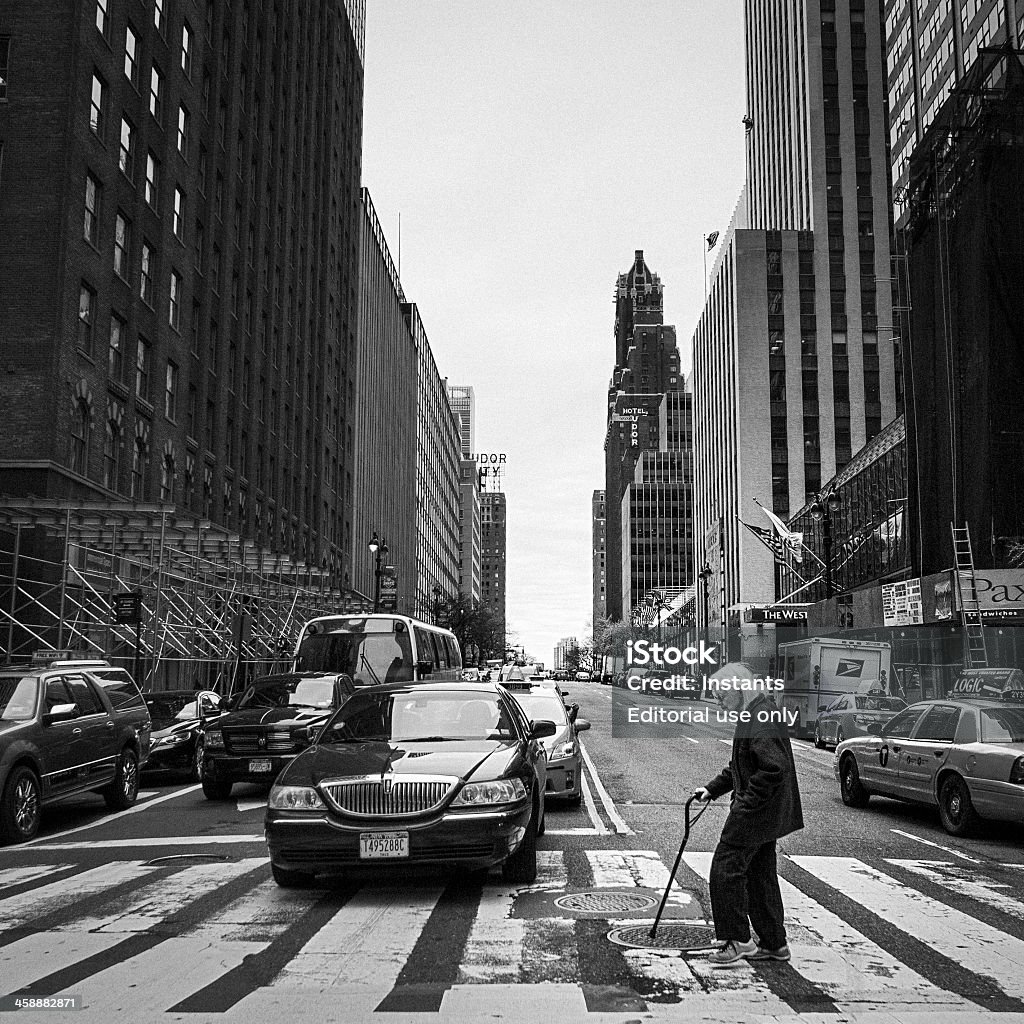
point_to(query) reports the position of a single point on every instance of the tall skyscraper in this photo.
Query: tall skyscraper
(600, 575)
(930, 47)
(493, 553)
(790, 374)
(646, 367)
(463, 402)
(179, 224)
(470, 535)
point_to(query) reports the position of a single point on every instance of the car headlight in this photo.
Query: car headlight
(481, 794)
(560, 750)
(173, 739)
(214, 739)
(295, 798)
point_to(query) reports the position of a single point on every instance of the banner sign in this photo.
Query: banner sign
(1000, 593)
(901, 603)
(997, 683)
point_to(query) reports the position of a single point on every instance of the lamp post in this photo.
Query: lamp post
(379, 549)
(821, 511)
(436, 591)
(704, 575)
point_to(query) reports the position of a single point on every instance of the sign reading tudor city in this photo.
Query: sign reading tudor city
(1000, 593)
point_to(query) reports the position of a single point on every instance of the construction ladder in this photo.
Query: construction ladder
(967, 591)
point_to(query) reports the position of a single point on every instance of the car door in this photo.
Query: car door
(833, 716)
(96, 744)
(877, 756)
(57, 750)
(926, 751)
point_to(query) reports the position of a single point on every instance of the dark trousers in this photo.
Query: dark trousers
(744, 892)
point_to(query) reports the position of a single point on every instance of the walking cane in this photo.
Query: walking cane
(679, 856)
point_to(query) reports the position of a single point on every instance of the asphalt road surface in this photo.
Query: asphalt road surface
(167, 912)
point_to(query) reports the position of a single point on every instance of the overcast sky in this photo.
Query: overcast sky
(530, 147)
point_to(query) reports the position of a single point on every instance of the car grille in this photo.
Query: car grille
(248, 742)
(330, 857)
(388, 797)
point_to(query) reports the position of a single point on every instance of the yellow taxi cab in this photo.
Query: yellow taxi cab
(963, 754)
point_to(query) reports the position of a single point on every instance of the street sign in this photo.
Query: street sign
(388, 589)
(128, 609)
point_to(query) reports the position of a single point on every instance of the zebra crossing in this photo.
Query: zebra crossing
(216, 939)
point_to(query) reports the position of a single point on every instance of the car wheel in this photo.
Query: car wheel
(522, 865)
(850, 788)
(818, 741)
(957, 813)
(20, 809)
(291, 879)
(197, 761)
(215, 789)
(123, 791)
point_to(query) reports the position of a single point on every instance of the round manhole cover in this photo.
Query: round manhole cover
(605, 902)
(178, 858)
(671, 935)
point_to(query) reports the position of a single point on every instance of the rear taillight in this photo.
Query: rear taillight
(1017, 771)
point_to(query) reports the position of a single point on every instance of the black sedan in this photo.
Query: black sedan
(179, 717)
(431, 773)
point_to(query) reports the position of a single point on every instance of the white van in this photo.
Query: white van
(377, 649)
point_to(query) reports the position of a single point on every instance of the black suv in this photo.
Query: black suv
(267, 726)
(65, 731)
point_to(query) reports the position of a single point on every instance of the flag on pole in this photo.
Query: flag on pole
(712, 239)
(793, 541)
(769, 539)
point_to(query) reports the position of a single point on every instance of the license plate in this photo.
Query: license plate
(261, 766)
(376, 845)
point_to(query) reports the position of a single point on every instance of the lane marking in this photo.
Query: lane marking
(107, 844)
(936, 846)
(588, 800)
(112, 817)
(965, 882)
(574, 832)
(251, 805)
(16, 876)
(620, 869)
(620, 826)
(692, 740)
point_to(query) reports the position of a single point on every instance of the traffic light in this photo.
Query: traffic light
(816, 677)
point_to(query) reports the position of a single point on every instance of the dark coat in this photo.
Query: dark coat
(762, 778)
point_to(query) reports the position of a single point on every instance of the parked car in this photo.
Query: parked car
(565, 760)
(179, 718)
(267, 725)
(965, 757)
(64, 733)
(444, 773)
(850, 714)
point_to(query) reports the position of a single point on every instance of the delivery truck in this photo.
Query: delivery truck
(817, 670)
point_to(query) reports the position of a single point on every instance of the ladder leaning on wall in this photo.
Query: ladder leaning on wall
(967, 592)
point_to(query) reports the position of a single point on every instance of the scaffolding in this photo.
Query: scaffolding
(215, 607)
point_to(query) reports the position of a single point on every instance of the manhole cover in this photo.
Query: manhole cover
(605, 902)
(176, 858)
(671, 935)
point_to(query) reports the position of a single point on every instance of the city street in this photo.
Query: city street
(168, 911)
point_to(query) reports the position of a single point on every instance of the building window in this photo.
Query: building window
(142, 364)
(122, 243)
(186, 49)
(152, 181)
(156, 94)
(93, 198)
(115, 350)
(5, 65)
(199, 240)
(131, 56)
(98, 106)
(174, 301)
(179, 214)
(80, 430)
(158, 15)
(126, 156)
(194, 328)
(146, 274)
(86, 317)
(193, 400)
(183, 128)
(167, 477)
(102, 21)
(140, 468)
(112, 454)
(171, 392)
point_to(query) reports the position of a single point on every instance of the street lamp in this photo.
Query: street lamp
(705, 574)
(821, 511)
(379, 549)
(436, 591)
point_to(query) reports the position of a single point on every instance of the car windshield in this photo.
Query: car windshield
(369, 658)
(542, 707)
(419, 717)
(18, 698)
(171, 706)
(870, 703)
(291, 692)
(1002, 725)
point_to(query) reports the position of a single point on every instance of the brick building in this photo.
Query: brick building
(179, 230)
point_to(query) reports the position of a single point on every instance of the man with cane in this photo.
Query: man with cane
(761, 776)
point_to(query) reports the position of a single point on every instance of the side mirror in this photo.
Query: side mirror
(581, 724)
(424, 668)
(539, 730)
(822, 707)
(874, 728)
(60, 713)
(306, 734)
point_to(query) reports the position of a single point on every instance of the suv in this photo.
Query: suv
(64, 731)
(267, 725)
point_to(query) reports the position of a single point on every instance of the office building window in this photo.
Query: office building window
(86, 317)
(131, 56)
(152, 181)
(179, 213)
(174, 301)
(102, 19)
(81, 429)
(5, 65)
(93, 198)
(167, 474)
(156, 94)
(122, 245)
(126, 154)
(142, 366)
(112, 451)
(140, 468)
(183, 131)
(186, 49)
(148, 269)
(98, 105)
(158, 15)
(115, 349)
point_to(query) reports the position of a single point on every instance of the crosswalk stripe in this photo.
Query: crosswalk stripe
(11, 877)
(614, 869)
(965, 881)
(979, 948)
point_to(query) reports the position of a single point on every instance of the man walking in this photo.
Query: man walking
(765, 807)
